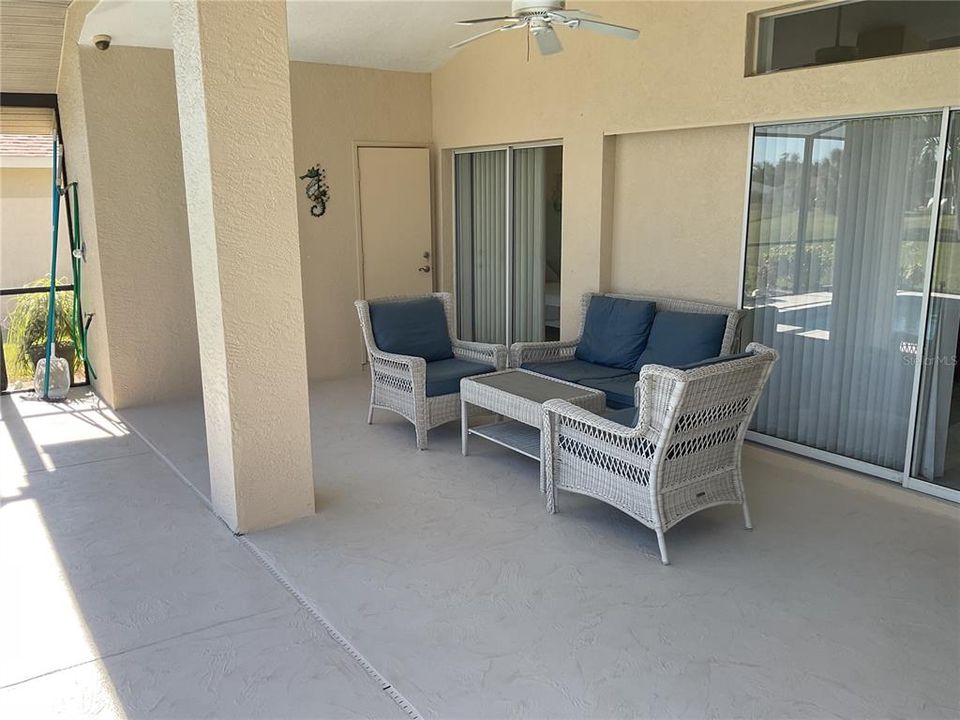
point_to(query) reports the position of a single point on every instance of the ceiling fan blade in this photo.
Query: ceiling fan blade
(547, 41)
(483, 20)
(477, 37)
(620, 31)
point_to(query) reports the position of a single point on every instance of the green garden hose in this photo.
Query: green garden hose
(78, 328)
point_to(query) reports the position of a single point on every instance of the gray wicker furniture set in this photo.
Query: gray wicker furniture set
(678, 403)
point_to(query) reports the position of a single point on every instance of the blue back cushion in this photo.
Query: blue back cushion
(615, 331)
(412, 327)
(679, 338)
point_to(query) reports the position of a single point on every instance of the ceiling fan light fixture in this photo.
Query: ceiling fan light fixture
(539, 17)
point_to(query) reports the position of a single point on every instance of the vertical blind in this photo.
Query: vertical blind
(529, 243)
(837, 237)
(482, 250)
(491, 290)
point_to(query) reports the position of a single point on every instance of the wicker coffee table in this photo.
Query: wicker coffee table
(518, 396)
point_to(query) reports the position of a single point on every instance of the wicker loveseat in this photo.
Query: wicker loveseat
(421, 383)
(674, 454)
(622, 330)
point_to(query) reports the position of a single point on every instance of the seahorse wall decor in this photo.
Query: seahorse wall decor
(317, 190)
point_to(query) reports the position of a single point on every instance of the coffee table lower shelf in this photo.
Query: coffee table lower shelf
(517, 436)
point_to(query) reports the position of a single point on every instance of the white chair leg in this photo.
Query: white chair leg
(552, 499)
(421, 439)
(746, 516)
(370, 415)
(662, 542)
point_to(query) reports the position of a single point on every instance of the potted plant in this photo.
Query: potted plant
(27, 329)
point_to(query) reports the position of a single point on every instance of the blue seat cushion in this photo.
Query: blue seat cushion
(619, 390)
(444, 376)
(624, 416)
(715, 361)
(678, 339)
(615, 331)
(574, 371)
(415, 327)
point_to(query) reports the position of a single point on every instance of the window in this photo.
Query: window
(855, 31)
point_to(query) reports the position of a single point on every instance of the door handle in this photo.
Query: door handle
(423, 269)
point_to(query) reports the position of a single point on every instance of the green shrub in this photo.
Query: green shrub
(28, 322)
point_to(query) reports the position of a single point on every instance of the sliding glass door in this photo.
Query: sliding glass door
(508, 211)
(838, 246)
(935, 460)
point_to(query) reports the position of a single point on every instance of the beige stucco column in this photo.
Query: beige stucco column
(233, 89)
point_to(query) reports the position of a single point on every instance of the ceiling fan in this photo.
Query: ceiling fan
(540, 17)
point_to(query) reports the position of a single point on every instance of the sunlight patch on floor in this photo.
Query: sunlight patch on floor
(42, 598)
(37, 592)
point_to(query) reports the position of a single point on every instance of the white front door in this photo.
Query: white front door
(396, 228)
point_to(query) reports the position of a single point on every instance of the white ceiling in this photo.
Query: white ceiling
(385, 34)
(31, 34)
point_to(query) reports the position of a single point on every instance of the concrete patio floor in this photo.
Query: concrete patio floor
(449, 577)
(122, 596)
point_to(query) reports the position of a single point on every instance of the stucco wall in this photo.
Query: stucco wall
(678, 212)
(73, 118)
(122, 141)
(629, 115)
(334, 107)
(126, 119)
(685, 71)
(137, 168)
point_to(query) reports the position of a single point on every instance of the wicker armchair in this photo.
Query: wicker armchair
(399, 382)
(558, 351)
(682, 453)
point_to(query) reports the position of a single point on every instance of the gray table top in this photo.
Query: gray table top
(534, 387)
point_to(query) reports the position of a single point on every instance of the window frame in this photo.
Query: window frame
(752, 56)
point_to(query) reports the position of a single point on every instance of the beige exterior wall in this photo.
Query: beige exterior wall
(73, 116)
(122, 140)
(686, 71)
(678, 212)
(333, 108)
(141, 243)
(638, 120)
(26, 227)
(137, 169)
